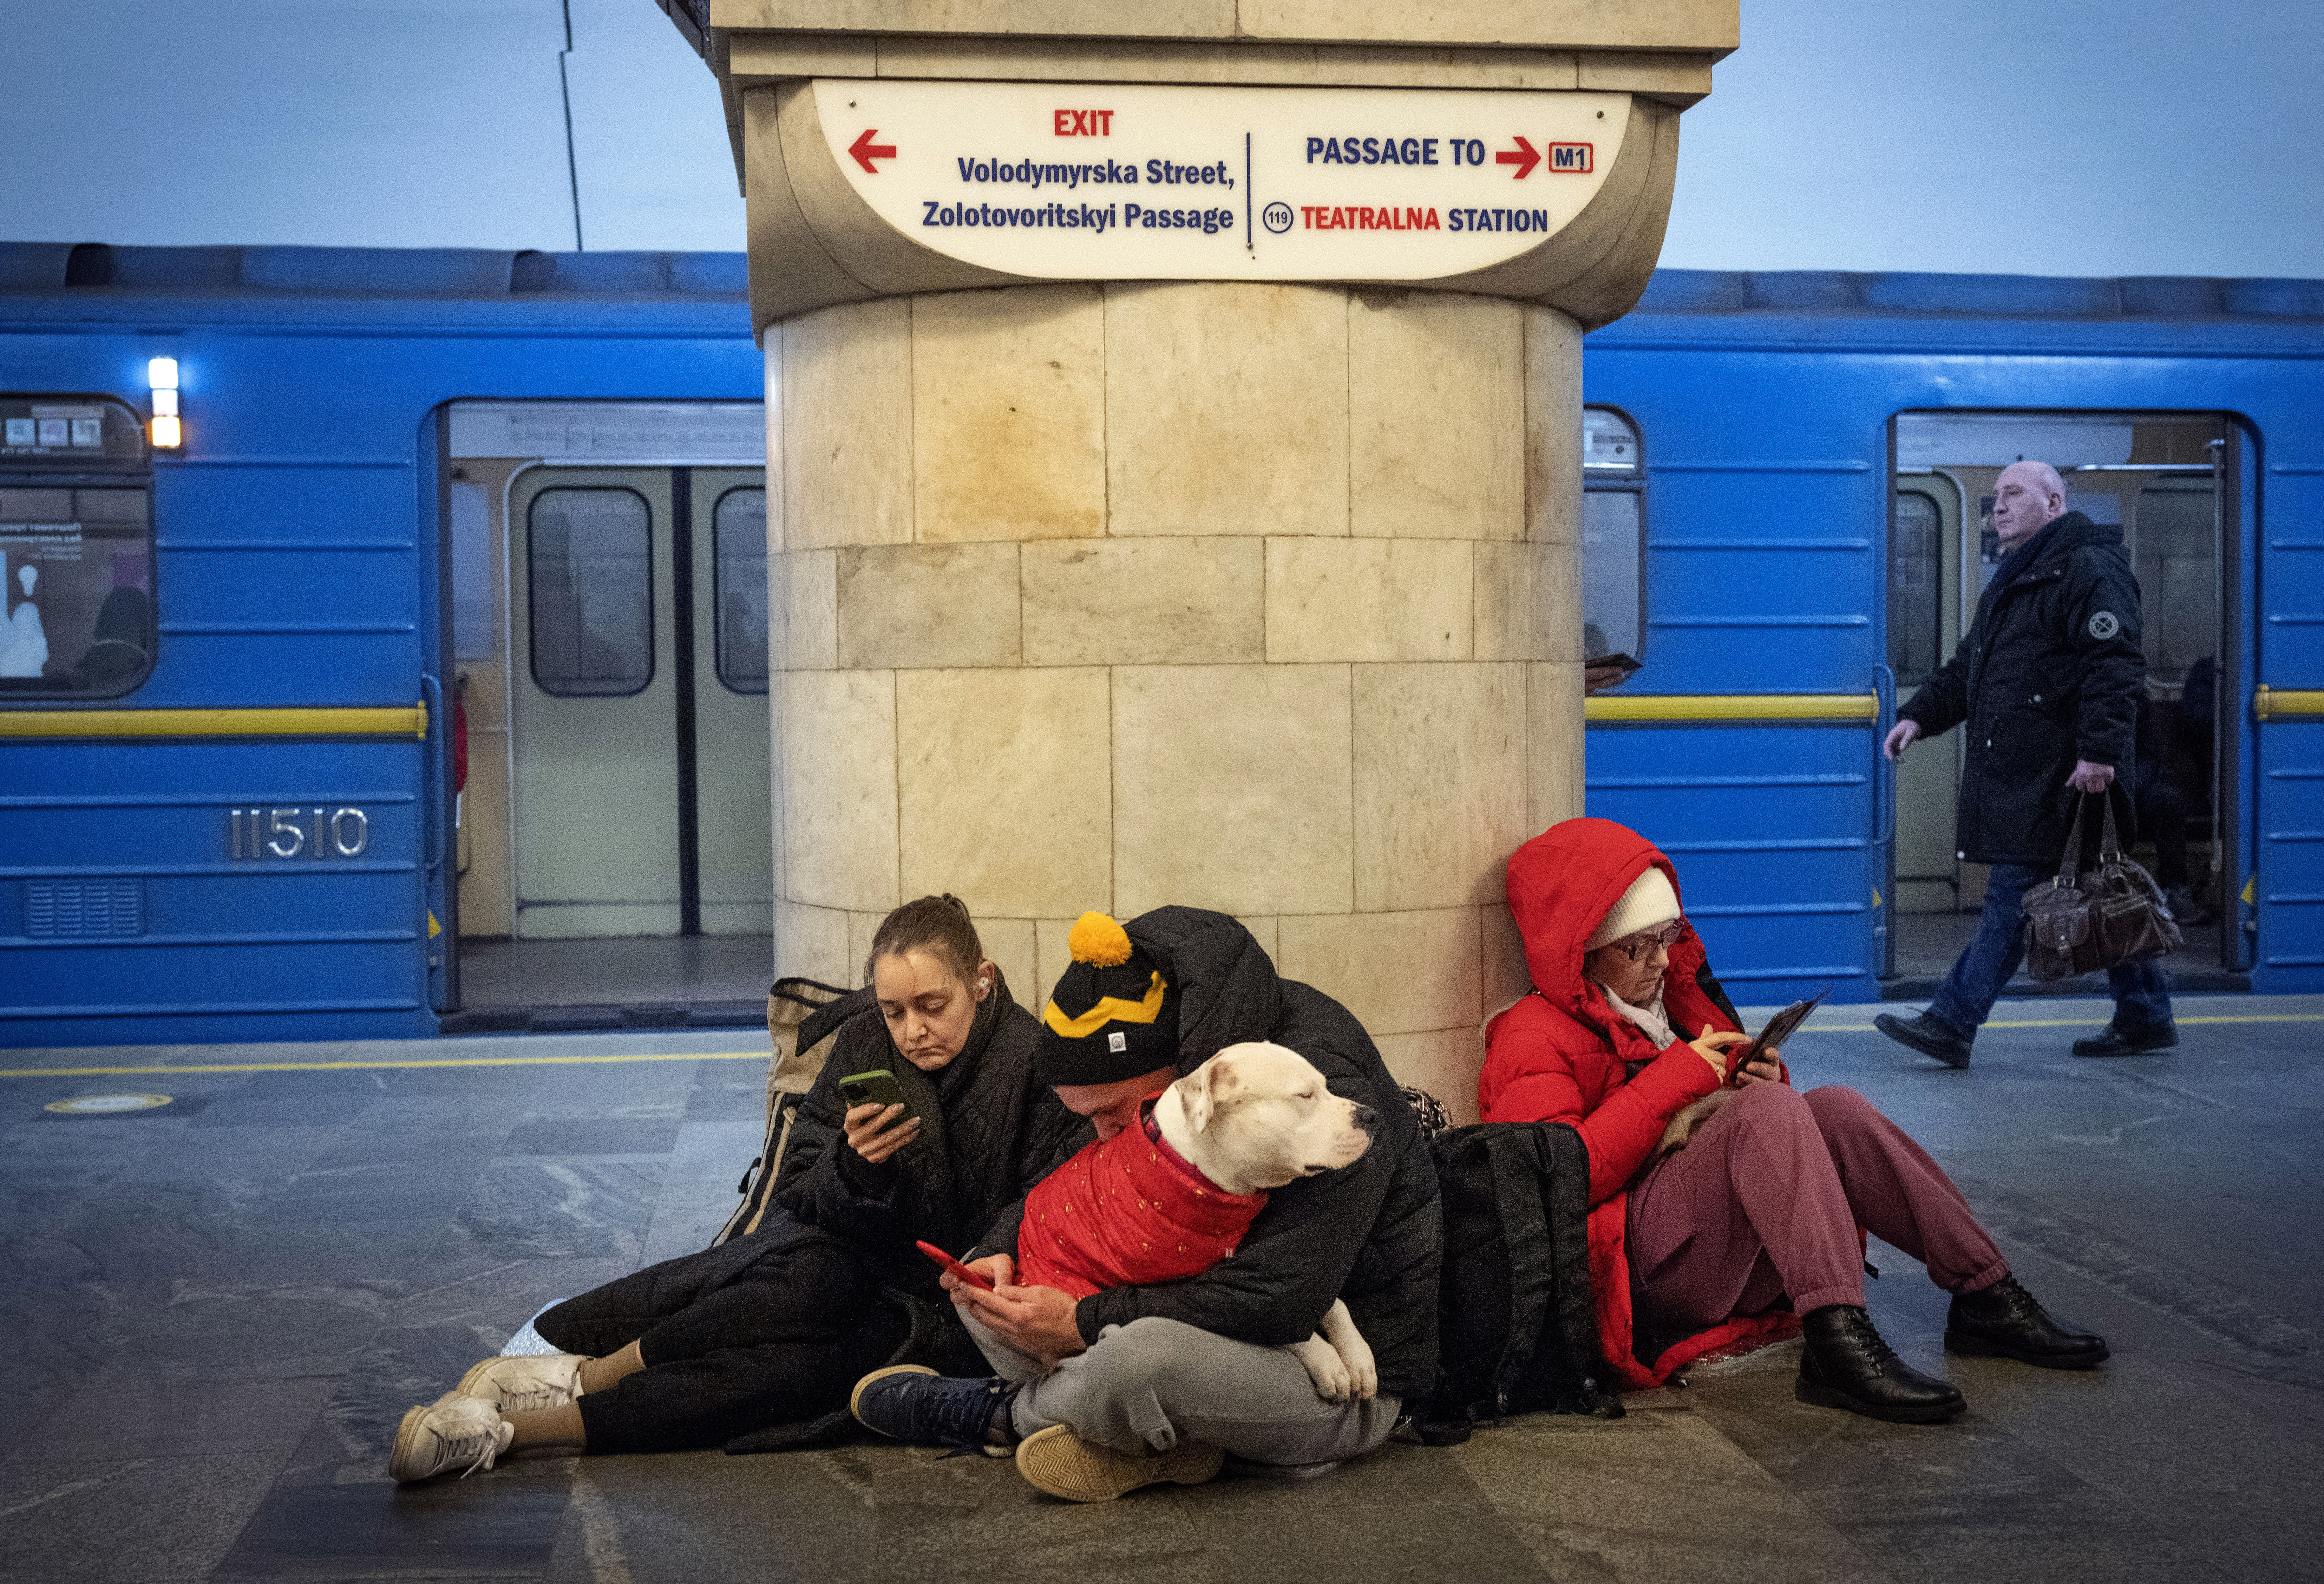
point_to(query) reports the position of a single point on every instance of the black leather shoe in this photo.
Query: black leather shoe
(1927, 1036)
(2004, 1321)
(2115, 1043)
(1847, 1364)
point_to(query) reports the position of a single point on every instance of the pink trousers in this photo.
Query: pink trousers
(1765, 1199)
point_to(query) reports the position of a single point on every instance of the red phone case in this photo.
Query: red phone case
(974, 1278)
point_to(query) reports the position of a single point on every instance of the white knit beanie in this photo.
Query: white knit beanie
(1649, 900)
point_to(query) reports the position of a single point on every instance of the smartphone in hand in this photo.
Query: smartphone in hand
(974, 1278)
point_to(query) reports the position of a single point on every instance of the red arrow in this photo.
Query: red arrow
(1525, 160)
(865, 151)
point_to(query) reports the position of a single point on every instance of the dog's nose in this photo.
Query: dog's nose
(1366, 1117)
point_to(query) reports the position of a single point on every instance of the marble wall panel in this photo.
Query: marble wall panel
(1226, 408)
(1369, 600)
(1552, 445)
(1511, 624)
(1440, 783)
(1436, 416)
(1050, 957)
(812, 942)
(1444, 1062)
(846, 403)
(1399, 973)
(928, 604)
(1144, 602)
(1009, 413)
(1004, 791)
(839, 789)
(1554, 744)
(1232, 788)
(1010, 944)
(803, 591)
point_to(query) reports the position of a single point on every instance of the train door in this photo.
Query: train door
(2164, 480)
(614, 666)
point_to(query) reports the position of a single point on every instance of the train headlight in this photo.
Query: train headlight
(162, 375)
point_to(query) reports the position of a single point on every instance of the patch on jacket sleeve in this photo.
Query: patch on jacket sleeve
(2105, 625)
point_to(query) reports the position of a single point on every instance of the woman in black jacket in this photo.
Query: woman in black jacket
(754, 1344)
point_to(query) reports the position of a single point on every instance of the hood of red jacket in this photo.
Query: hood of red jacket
(1562, 885)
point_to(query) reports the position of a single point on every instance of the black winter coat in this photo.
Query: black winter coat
(1003, 1131)
(2052, 671)
(1370, 1233)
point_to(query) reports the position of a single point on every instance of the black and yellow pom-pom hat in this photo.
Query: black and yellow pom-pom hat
(1113, 1016)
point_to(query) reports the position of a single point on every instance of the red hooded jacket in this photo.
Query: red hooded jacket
(1560, 1054)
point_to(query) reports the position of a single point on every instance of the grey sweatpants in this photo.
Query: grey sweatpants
(1143, 1386)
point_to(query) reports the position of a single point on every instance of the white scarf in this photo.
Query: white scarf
(1649, 1017)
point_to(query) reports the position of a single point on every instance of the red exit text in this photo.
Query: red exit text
(1085, 122)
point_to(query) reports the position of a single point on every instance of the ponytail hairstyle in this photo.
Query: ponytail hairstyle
(940, 924)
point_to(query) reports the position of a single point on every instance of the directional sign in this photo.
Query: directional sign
(1088, 181)
(1522, 158)
(865, 151)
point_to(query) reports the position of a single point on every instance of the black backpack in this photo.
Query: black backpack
(1516, 1329)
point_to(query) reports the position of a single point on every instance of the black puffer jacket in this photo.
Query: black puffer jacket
(1002, 1130)
(2052, 671)
(1370, 1233)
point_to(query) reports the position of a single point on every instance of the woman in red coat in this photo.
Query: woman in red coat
(1725, 1207)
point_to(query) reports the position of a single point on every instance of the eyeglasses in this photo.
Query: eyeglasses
(1661, 939)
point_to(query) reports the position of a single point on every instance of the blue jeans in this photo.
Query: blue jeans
(2140, 999)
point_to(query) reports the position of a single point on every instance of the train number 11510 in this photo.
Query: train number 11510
(314, 831)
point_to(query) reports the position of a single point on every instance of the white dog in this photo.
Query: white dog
(1256, 1117)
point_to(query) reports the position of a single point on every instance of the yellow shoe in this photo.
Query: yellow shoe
(1060, 1462)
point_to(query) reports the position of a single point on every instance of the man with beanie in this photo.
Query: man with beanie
(2048, 685)
(1131, 1385)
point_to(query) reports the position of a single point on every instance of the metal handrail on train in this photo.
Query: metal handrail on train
(154, 725)
(1679, 709)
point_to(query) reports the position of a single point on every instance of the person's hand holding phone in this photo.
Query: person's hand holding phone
(996, 1268)
(876, 1132)
(1766, 1066)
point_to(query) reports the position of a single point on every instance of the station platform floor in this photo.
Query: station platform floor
(220, 1307)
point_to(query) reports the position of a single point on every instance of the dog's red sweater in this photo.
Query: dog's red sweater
(1126, 1212)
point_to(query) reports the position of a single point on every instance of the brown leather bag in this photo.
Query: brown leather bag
(2113, 914)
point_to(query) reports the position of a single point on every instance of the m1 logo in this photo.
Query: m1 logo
(1083, 123)
(1569, 158)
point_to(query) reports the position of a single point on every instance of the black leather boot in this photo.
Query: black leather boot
(1847, 1364)
(2004, 1321)
(1926, 1035)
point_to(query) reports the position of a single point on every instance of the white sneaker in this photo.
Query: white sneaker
(452, 1432)
(522, 1385)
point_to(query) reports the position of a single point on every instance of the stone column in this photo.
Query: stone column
(1245, 595)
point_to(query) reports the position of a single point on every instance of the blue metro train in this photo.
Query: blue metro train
(265, 755)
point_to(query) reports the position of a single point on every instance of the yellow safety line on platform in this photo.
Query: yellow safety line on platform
(1828, 1028)
(1717, 706)
(2268, 703)
(391, 721)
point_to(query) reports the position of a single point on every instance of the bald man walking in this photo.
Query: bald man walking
(2048, 683)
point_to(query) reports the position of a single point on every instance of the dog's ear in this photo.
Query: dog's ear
(1206, 1087)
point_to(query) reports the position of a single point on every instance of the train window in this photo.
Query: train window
(76, 549)
(740, 613)
(592, 559)
(1916, 590)
(1613, 535)
(1609, 441)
